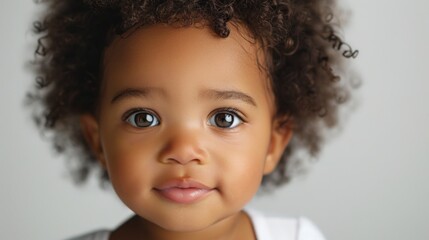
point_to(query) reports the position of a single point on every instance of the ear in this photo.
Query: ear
(90, 130)
(281, 134)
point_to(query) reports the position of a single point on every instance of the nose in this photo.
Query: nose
(183, 147)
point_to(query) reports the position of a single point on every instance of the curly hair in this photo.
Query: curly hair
(297, 35)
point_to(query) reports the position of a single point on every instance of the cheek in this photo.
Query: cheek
(240, 178)
(242, 165)
(127, 163)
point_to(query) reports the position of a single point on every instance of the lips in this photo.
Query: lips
(183, 191)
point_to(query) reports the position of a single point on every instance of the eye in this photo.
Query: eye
(225, 119)
(142, 119)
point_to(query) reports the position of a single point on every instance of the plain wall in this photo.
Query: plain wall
(371, 181)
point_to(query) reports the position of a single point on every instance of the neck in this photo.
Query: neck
(237, 226)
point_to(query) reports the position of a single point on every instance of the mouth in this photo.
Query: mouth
(183, 191)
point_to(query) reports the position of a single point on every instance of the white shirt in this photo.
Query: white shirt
(266, 228)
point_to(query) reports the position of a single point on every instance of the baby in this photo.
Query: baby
(187, 107)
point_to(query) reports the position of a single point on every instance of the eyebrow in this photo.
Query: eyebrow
(228, 94)
(209, 93)
(135, 92)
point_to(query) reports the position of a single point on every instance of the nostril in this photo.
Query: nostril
(182, 161)
(173, 160)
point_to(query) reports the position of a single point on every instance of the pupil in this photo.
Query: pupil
(224, 120)
(144, 119)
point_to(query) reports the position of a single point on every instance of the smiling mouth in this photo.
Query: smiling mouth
(183, 191)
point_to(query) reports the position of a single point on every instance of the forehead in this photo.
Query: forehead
(159, 39)
(159, 52)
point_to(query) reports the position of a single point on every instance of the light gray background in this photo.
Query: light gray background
(371, 182)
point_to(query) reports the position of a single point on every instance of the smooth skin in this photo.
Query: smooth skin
(181, 104)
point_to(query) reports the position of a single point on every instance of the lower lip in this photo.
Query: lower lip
(184, 195)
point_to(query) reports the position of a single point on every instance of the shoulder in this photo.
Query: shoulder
(307, 230)
(283, 228)
(95, 235)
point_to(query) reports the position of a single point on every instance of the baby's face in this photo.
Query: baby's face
(185, 128)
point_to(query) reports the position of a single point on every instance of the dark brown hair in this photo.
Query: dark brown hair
(297, 35)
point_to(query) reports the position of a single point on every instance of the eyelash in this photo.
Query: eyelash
(155, 117)
(127, 117)
(228, 110)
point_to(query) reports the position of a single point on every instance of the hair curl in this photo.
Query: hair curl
(297, 35)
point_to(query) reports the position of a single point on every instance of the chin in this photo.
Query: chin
(185, 226)
(181, 222)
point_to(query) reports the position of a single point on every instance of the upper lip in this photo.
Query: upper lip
(182, 183)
